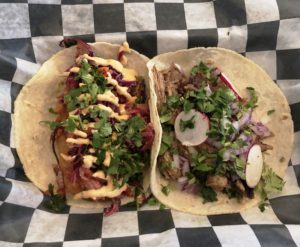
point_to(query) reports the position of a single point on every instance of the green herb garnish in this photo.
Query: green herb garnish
(253, 98)
(51, 124)
(208, 194)
(152, 201)
(166, 117)
(187, 124)
(165, 190)
(54, 202)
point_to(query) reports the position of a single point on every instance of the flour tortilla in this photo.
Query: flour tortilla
(243, 73)
(32, 139)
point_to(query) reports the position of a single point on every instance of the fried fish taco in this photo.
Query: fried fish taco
(101, 132)
(225, 132)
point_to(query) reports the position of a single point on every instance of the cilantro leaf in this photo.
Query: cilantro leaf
(152, 201)
(135, 126)
(208, 194)
(51, 124)
(262, 205)
(199, 163)
(205, 106)
(104, 128)
(239, 166)
(166, 117)
(93, 90)
(54, 202)
(87, 78)
(165, 190)
(101, 82)
(253, 97)
(187, 124)
(272, 182)
(187, 106)
(98, 140)
(113, 167)
(174, 101)
(70, 124)
(163, 148)
(119, 127)
(269, 183)
(201, 68)
(162, 206)
(101, 156)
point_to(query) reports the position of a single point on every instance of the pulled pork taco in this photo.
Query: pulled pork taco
(224, 128)
(83, 125)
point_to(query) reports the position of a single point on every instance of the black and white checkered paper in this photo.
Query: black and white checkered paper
(266, 31)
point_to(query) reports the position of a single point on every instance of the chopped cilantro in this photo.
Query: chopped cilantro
(253, 98)
(187, 106)
(101, 156)
(166, 117)
(161, 206)
(199, 163)
(119, 127)
(187, 124)
(272, 182)
(52, 124)
(152, 201)
(83, 73)
(98, 140)
(93, 90)
(54, 202)
(163, 148)
(239, 166)
(166, 142)
(262, 205)
(101, 82)
(201, 68)
(135, 125)
(174, 101)
(167, 138)
(238, 143)
(270, 112)
(208, 194)
(205, 106)
(94, 111)
(233, 193)
(71, 98)
(70, 125)
(104, 128)
(87, 78)
(113, 167)
(165, 190)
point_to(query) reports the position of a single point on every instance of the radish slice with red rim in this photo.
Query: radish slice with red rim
(195, 134)
(230, 85)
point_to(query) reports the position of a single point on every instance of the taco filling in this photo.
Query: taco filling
(210, 142)
(102, 134)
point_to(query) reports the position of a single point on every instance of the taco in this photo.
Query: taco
(95, 148)
(224, 128)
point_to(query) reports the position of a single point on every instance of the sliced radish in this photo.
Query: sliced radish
(254, 166)
(192, 136)
(227, 82)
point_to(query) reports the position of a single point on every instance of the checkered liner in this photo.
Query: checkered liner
(265, 31)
